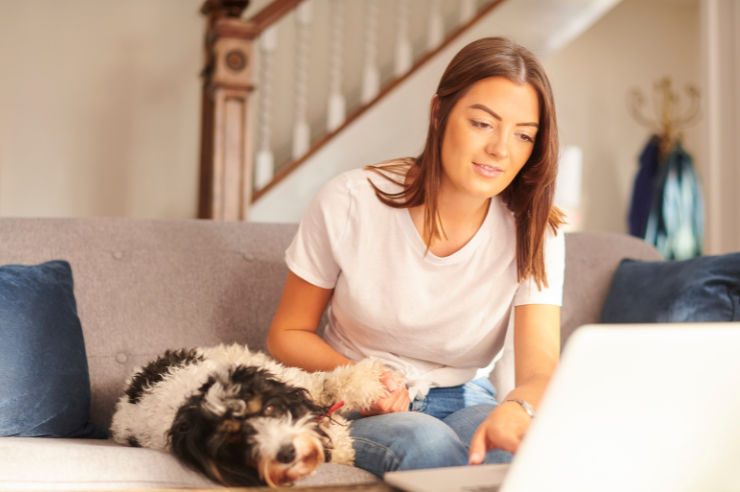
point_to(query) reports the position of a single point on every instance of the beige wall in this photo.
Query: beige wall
(636, 44)
(721, 78)
(99, 103)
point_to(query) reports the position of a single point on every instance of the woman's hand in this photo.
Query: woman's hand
(397, 399)
(536, 352)
(504, 429)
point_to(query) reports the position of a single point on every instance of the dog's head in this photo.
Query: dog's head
(245, 427)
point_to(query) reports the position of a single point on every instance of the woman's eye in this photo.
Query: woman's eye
(526, 138)
(268, 410)
(479, 124)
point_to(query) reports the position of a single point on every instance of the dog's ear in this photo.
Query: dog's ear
(187, 434)
(232, 476)
(300, 403)
(233, 429)
(239, 477)
(196, 437)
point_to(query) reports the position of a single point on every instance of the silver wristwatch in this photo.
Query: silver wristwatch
(525, 405)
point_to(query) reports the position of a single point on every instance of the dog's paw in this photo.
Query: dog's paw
(359, 385)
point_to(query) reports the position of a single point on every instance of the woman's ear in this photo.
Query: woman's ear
(434, 110)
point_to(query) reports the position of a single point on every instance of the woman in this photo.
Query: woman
(423, 262)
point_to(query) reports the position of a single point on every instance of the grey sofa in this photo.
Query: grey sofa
(143, 286)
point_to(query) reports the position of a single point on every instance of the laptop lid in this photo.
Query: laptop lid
(638, 408)
(652, 407)
(480, 478)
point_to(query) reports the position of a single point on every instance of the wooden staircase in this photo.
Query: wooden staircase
(244, 151)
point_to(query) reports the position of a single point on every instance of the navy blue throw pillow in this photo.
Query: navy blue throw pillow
(44, 380)
(706, 288)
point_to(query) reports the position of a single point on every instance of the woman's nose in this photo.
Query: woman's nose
(497, 144)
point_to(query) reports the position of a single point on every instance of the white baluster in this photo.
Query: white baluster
(467, 10)
(371, 74)
(403, 44)
(264, 166)
(337, 107)
(301, 131)
(436, 26)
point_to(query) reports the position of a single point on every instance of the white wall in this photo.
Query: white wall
(397, 125)
(635, 45)
(721, 77)
(99, 107)
(352, 42)
(100, 101)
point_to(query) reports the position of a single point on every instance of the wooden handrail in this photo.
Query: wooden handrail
(216, 10)
(225, 188)
(289, 168)
(272, 13)
(226, 147)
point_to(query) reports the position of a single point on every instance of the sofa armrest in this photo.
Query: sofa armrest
(591, 258)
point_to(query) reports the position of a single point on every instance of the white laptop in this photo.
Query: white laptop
(652, 407)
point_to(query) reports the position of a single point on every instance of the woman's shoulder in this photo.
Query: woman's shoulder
(387, 176)
(341, 184)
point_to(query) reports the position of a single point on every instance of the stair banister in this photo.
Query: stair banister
(238, 161)
(468, 17)
(226, 149)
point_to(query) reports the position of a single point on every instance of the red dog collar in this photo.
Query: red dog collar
(331, 410)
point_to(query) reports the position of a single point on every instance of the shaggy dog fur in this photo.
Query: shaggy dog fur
(242, 418)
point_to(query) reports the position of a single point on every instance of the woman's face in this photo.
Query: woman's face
(489, 137)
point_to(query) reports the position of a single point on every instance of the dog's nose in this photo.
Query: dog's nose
(286, 454)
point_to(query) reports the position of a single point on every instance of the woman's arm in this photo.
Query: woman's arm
(536, 354)
(293, 339)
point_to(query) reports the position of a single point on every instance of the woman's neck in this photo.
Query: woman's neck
(460, 219)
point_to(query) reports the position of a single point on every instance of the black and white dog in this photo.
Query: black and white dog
(242, 418)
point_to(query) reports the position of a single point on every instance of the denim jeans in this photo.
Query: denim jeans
(435, 432)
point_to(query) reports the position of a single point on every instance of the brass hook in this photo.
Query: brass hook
(670, 115)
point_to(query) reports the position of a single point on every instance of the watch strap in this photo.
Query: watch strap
(525, 405)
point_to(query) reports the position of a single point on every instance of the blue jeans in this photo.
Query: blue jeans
(435, 432)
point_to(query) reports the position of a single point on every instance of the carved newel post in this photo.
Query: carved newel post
(226, 154)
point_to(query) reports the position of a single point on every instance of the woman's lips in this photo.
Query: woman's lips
(488, 171)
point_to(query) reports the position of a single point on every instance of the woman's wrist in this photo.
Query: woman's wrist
(524, 404)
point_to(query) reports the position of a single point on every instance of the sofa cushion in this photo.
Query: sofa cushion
(44, 381)
(705, 288)
(100, 464)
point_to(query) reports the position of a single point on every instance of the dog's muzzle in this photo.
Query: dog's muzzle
(293, 461)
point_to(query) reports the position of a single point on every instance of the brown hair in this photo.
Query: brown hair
(530, 194)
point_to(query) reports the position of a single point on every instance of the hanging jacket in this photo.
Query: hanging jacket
(644, 186)
(676, 221)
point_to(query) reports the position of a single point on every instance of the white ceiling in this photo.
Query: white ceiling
(544, 26)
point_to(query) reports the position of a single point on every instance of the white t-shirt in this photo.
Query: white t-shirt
(438, 321)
